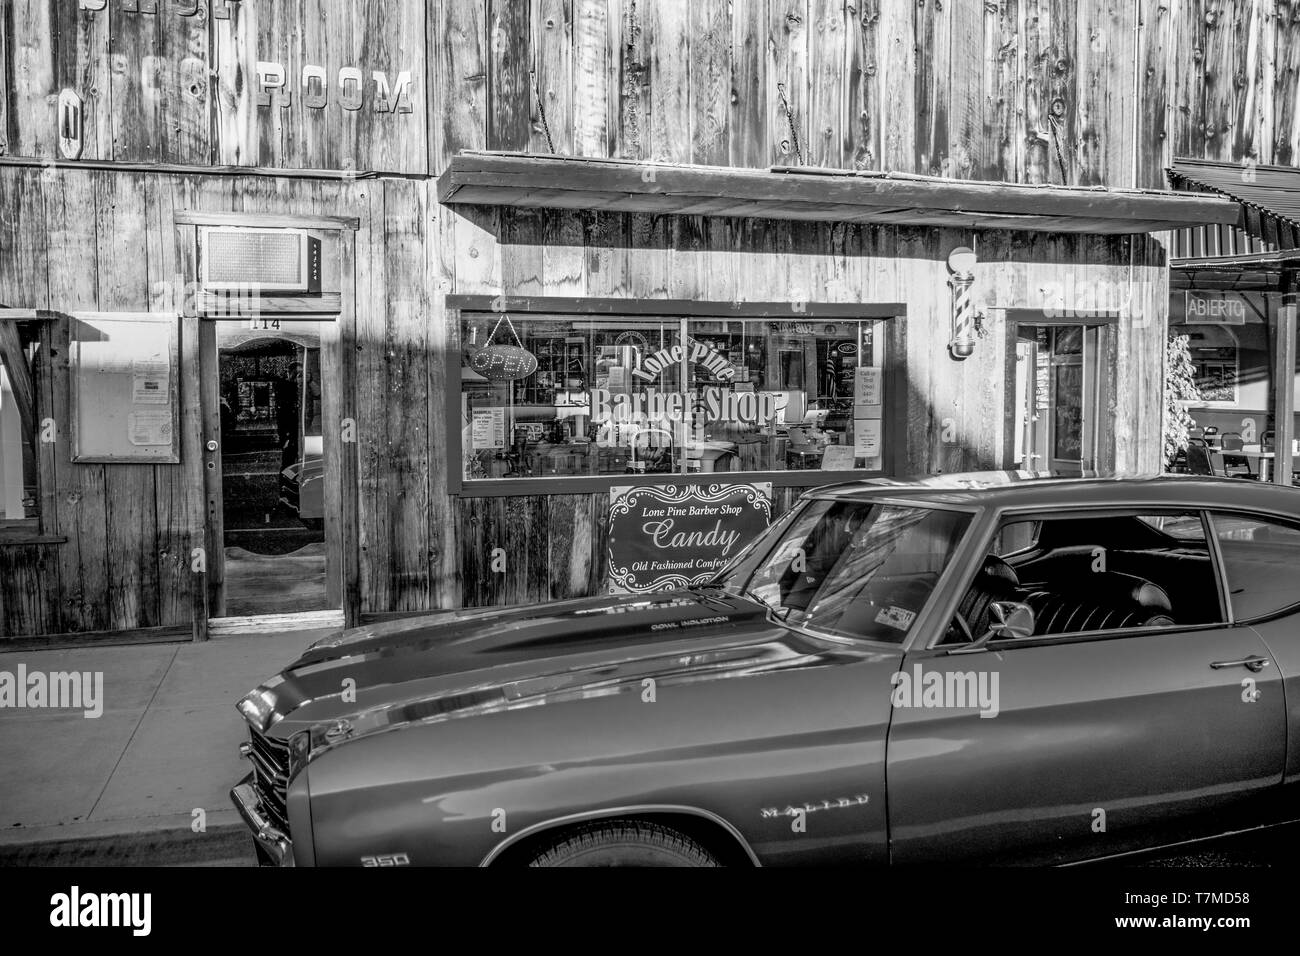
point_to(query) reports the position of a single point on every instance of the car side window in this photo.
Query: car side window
(1260, 557)
(1016, 536)
(1089, 572)
(1181, 527)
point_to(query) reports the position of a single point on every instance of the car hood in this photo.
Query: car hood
(460, 663)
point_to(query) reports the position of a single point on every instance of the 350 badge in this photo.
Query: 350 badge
(387, 859)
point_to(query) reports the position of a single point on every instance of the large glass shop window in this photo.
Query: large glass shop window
(1232, 340)
(553, 395)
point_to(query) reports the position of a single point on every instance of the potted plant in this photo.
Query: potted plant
(1180, 391)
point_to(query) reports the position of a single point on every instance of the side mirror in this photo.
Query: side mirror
(1011, 619)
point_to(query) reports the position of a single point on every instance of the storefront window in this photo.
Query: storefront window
(554, 395)
(1217, 368)
(1232, 341)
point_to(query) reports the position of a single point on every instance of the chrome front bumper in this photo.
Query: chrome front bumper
(271, 841)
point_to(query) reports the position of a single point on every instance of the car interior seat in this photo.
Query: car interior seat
(1104, 600)
(1087, 601)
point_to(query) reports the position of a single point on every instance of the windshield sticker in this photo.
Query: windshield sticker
(896, 617)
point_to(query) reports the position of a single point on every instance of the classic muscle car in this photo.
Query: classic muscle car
(1027, 672)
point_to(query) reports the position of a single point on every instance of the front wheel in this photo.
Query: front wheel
(624, 843)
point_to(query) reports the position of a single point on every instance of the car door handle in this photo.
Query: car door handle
(1255, 664)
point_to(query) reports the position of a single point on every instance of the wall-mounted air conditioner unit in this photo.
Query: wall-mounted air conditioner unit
(266, 260)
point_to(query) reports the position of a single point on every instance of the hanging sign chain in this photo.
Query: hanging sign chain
(506, 319)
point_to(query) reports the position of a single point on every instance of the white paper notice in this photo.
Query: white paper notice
(866, 385)
(489, 428)
(149, 428)
(866, 438)
(149, 384)
(838, 458)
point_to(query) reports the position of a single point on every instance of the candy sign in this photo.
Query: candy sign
(668, 536)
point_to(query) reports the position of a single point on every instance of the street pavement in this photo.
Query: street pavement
(1272, 847)
(133, 786)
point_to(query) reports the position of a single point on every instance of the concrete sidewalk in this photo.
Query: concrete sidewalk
(166, 744)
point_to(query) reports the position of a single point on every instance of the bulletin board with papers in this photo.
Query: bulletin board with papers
(124, 369)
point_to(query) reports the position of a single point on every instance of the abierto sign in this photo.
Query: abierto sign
(1205, 308)
(669, 536)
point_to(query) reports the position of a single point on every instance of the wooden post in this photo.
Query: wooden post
(1284, 382)
(193, 469)
(210, 415)
(20, 375)
(342, 453)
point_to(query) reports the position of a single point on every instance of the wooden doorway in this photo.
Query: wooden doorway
(271, 476)
(280, 517)
(273, 505)
(1059, 398)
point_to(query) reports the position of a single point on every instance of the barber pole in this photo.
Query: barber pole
(962, 263)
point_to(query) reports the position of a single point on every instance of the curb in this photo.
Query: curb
(130, 843)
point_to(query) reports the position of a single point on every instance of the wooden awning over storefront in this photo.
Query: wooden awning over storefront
(817, 194)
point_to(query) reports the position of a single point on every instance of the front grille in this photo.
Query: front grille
(271, 777)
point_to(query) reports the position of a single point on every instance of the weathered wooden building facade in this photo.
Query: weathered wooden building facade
(597, 182)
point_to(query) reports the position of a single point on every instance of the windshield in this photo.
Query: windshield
(853, 568)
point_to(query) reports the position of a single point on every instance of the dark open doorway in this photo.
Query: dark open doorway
(273, 516)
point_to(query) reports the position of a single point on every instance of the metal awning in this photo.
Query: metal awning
(817, 194)
(1268, 234)
(1274, 190)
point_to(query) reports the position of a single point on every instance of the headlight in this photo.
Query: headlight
(257, 708)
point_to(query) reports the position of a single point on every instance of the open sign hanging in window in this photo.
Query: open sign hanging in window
(503, 363)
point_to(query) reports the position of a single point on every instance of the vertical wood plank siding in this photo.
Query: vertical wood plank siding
(1012, 90)
(90, 240)
(1096, 93)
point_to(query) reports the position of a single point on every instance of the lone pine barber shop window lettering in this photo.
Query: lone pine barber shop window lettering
(547, 395)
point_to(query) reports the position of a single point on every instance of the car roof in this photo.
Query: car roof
(1031, 490)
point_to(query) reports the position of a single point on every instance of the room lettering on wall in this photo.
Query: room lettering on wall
(221, 9)
(273, 89)
(185, 8)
